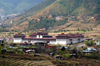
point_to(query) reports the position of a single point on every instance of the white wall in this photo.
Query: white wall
(58, 41)
(82, 39)
(61, 41)
(34, 41)
(66, 41)
(41, 36)
(75, 40)
(52, 42)
(37, 36)
(25, 41)
(17, 40)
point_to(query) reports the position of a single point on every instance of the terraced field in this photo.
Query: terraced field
(19, 62)
(44, 60)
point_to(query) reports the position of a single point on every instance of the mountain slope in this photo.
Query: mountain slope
(38, 8)
(66, 14)
(17, 6)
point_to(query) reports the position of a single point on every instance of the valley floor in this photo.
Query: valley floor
(53, 62)
(20, 62)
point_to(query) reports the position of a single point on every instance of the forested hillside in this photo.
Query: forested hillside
(17, 6)
(66, 14)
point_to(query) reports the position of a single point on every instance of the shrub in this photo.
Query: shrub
(94, 55)
(66, 56)
(89, 43)
(60, 52)
(20, 52)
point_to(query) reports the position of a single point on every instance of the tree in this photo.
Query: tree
(9, 49)
(60, 52)
(74, 50)
(63, 49)
(1, 48)
(19, 47)
(68, 48)
(89, 43)
(4, 44)
(19, 51)
(95, 55)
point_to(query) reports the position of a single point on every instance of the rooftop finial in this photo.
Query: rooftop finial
(19, 32)
(34, 32)
(63, 33)
(41, 30)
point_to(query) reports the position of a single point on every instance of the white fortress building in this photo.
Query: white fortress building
(61, 39)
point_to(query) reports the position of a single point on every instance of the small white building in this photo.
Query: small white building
(61, 39)
(1, 41)
(98, 43)
(91, 49)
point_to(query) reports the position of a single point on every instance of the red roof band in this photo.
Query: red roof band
(77, 35)
(19, 34)
(49, 46)
(39, 38)
(70, 35)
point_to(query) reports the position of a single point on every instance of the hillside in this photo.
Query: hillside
(61, 15)
(17, 6)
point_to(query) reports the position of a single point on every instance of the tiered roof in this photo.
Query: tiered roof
(70, 35)
(42, 33)
(65, 36)
(33, 34)
(19, 35)
(39, 33)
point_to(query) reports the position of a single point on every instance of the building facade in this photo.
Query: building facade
(61, 39)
